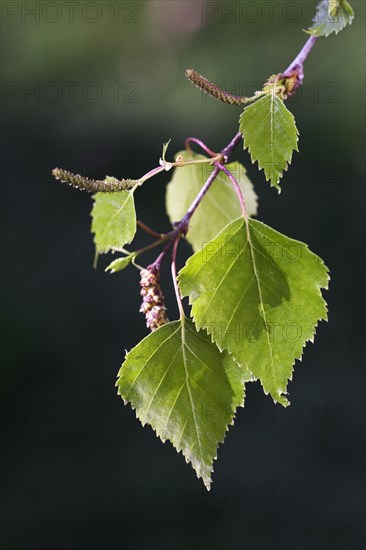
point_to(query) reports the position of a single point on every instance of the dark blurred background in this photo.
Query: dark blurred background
(96, 88)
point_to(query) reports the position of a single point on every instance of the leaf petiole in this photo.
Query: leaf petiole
(237, 188)
(174, 277)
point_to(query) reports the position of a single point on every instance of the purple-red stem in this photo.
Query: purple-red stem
(237, 188)
(232, 145)
(152, 173)
(191, 210)
(174, 277)
(148, 229)
(201, 144)
(182, 226)
(299, 60)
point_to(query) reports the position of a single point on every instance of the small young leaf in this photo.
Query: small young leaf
(185, 388)
(270, 134)
(258, 294)
(333, 6)
(219, 207)
(331, 16)
(113, 220)
(165, 148)
(120, 263)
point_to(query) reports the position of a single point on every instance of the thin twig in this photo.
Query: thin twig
(148, 229)
(174, 277)
(182, 226)
(164, 238)
(301, 56)
(237, 188)
(201, 144)
(191, 210)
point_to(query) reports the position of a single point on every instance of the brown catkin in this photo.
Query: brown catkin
(153, 306)
(213, 90)
(92, 186)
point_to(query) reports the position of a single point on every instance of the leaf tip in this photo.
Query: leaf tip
(282, 400)
(207, 483)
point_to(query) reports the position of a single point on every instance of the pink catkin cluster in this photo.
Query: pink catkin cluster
(153, 306)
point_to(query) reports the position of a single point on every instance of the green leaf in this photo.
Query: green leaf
(120, 263)
(270, 134)
(258, 294)
(331, 16)
(180, 384)
(333, 6)
(219, 207)
(113, 220)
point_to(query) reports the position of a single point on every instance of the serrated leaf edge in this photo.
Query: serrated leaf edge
(206, 481)
(130, 193)
(288, 159)
(311, 338)
(313, 29)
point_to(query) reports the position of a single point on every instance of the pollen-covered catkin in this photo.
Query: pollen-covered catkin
(92, 186)
(153, 306)
(213, 90)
